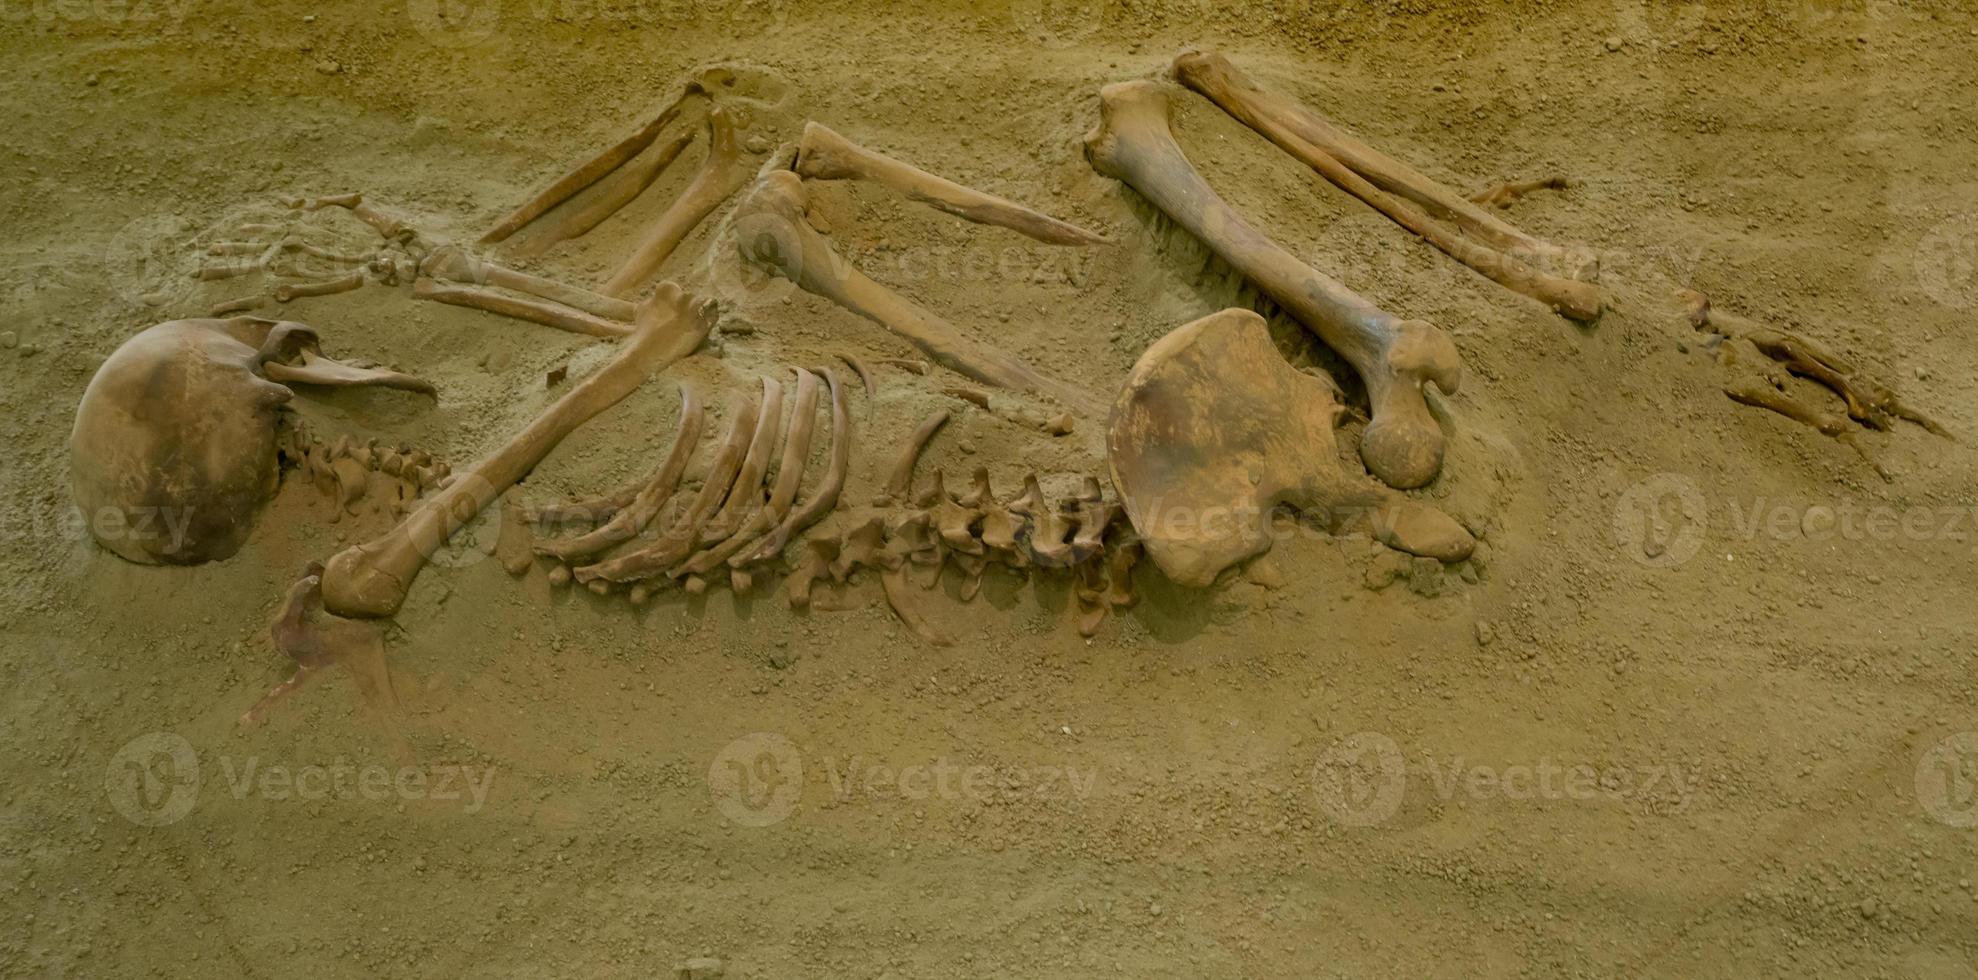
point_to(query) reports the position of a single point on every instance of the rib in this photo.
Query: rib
(823, 154)
(902, 478)
(587, 173)
(535, 311)
(789, 477)
(746, 494)
(722, 173)
(344, 284)
(680, 538)
(825, 499)
(864, 372)
(648, 501)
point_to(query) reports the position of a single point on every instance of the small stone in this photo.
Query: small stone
(1425, 577)
(1486, 634)
(1613, 43)
(1468, 573)
(1264, 572)
(9, 340)
(782, 659)
(1386, 567)
(701, 968)
(328, 67)
(757, 144)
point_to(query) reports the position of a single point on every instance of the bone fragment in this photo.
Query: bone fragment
(292, 291)
(613, 193)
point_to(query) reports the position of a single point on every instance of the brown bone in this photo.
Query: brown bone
(1394, 357)
(1212, 75)
(646, 504)
(902, 476)
(589, 172)
(746, 494)
(371, 580)
(610, 196)
(825, 498)
(722, 173)
(454, 264)
(822, 154)
(1216, 79)
(679, 539)
(786, 244)
(791, 461)
(1213, 431)
(535, 311)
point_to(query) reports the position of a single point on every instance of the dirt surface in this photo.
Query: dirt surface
(1703, 707)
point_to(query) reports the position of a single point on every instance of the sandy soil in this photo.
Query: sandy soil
(1734, 740)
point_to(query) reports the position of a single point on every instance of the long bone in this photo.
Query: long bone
(547, 313)
(650, 498)
(823, 154)
(825, 498)
(789, 247)
(589, 172)
(454, 264)
(790, 465)
(370, 580)
(680, 537)
(1213, 431)
(722, 173)
(1568, 297)
(1394, 357)
(1212, 75)
(613, 193)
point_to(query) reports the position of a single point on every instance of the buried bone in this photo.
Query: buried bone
(1213, 431)
(371, 580)
(822, 154)
(774, 235)
(1394, 357)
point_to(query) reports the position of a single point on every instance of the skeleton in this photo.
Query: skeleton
(1210, 419)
